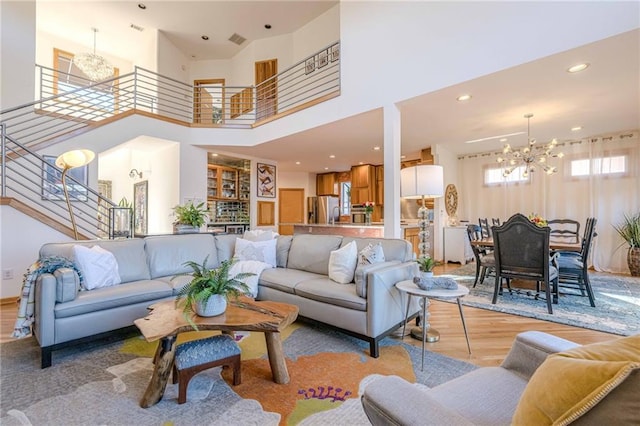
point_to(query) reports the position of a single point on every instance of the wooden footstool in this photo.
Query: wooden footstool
(199, 355)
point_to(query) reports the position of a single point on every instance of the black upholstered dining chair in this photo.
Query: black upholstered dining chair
(521, 251)
(495, 221)
(484, 227)
(573, 266)
(485, 262)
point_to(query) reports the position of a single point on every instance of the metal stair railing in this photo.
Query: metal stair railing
(70, 105)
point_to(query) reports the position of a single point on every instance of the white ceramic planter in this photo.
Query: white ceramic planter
(215, 305)
(426, 274)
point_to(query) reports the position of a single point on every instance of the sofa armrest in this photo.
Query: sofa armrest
(394, 401)
(530, 349)
(44, 316)
(386, 305)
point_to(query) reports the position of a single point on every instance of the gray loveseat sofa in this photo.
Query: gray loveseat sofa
(65, 315)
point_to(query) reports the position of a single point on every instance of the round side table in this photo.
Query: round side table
(412, 289)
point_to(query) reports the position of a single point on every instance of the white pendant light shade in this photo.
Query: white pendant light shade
(76, 158)
(422, 181)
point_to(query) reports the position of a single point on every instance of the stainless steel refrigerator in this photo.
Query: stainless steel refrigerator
(322, 209)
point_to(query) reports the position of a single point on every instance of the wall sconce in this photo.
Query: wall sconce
(70, 160)
(134, 172)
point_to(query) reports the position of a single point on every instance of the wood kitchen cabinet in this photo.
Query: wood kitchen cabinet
(326, 184)
(222, 183)
(379, 187)
(363, 176)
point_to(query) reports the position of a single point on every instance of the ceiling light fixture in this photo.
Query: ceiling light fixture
(578, 68)
(142, 6)
(92, 65)
(205, 37)
(576, 128)
(267, 26)
(297, 163)
(376, 148)
(529, 156)
(463, 98)
(332, 156)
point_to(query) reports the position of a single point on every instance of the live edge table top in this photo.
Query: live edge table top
(164, 319)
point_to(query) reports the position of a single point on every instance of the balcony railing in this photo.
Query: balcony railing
(69, 105)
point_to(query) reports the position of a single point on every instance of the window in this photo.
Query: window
(493, 175)
(345, 198)
(599, 166)
(69, 77)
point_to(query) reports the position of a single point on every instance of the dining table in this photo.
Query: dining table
(553, 246)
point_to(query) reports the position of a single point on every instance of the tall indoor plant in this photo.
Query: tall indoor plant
(629, 230)
(189, 217)
(209, 289)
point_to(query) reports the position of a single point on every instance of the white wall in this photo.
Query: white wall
(449, 162)
(171, 61)
(22, 237)
(164, 188)
(320, 32)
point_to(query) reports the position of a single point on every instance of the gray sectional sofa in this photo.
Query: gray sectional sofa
(66, 315)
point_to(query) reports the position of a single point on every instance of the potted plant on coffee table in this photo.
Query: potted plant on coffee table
(426, 264)
(629, 230)
(189, 217)
(209, 289)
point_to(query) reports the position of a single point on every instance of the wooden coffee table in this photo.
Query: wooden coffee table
(165, 322)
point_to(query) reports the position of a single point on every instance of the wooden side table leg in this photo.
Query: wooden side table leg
(165, 356)
(276, 358)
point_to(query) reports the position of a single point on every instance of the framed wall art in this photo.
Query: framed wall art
(323, 58)
(52, 181)
(140, 202)
(335, 52)
(266, 180)
(309, 65)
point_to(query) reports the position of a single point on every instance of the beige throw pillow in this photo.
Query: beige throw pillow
(342, 263)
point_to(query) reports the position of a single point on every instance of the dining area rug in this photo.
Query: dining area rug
(617, 299)
(101, 384)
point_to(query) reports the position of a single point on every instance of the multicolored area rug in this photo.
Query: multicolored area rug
(102, 384)
(617, 299)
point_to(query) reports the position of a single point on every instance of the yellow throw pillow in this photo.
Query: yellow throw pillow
(568, 384)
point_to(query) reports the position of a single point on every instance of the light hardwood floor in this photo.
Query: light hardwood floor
(490, 333)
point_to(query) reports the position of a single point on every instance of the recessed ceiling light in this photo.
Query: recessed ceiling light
(142, 6)
(361, 163)
(575, 129)
(403, 156)
(213, 154)
(297, 163)
(267, 26)
(503, 140)
(578, 68)
(205, 37)
(463, 98)
(326, 168)
(376, 148)
(332, 156)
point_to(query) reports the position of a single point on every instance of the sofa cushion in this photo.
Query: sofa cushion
(130, 255)
(310, 253)
(98, 266)
(113, 297)
(568, 384)
(176, 282)
(282, 250)
(328, 291)
(285, 279)
(342, 263)
(393, 248)
(167, 254)
(226, 246)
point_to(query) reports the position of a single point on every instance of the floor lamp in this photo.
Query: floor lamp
(423, 181)
(67, 161)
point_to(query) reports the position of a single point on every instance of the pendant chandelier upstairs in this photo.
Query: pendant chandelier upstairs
(94, 66)
(530, 156)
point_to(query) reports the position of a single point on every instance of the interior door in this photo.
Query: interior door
(290, 209)
(208, 101)
(266, 89)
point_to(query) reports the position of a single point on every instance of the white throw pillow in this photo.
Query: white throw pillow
(259, 235)
(98, 266)
(253, 266)
(342, 263)
(368, 256)
(264, 251)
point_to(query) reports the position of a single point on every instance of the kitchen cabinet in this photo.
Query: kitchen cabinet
(326, 184)
(222, 183)
(363, 176)
(457, 247)
(379, 187)
(412, 234)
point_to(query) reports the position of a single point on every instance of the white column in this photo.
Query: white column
(392, 144)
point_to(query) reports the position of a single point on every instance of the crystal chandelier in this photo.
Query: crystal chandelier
(94, 66)
(530, 156)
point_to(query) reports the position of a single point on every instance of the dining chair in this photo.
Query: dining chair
(521, 251)
(564, 230)
(573, 266)
(485, 262)
(484, 226)
(495, 221)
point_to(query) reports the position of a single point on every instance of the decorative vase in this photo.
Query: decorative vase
(633, 260)
(367, 218)
(214, 305)
(185, 229)
(426, 274)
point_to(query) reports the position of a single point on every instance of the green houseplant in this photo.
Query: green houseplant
(189, 217)
(629, 230)
(209, 289)
(426, 264)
